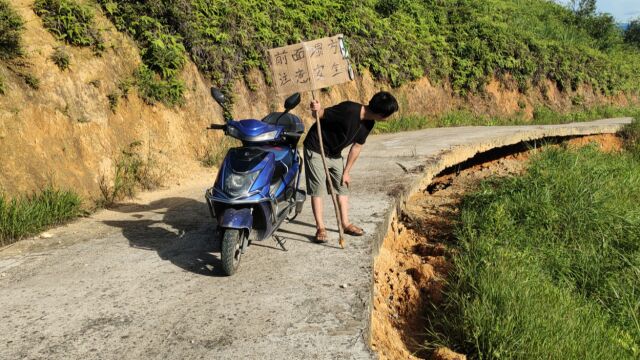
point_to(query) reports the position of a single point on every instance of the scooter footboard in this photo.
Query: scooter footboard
(237, 219)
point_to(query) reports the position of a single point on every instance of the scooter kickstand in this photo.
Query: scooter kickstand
(280, 242)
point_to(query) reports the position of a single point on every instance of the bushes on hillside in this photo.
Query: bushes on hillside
(11, 27)
(163, 52)
(70, 21)
(632, 34)
(463, 42)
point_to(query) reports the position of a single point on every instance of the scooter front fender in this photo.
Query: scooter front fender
(237, 219)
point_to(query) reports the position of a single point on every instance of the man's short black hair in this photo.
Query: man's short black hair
(383, 103)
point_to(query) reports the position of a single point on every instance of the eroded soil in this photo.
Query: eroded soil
(410, 270)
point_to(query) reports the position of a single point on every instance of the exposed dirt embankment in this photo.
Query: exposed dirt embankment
(411, 268)
(69, 132)
(72, 128)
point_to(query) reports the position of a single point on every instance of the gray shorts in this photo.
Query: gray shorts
(316, 179)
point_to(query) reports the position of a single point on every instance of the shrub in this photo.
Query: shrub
(61, 58)
(153, 88)
(24, 216)
(164, 55)
(71, 22)
(163, 52)
(11, 28)
(113, 99)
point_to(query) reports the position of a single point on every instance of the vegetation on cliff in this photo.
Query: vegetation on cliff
(462, 42)
(70, 22)
(11, 27)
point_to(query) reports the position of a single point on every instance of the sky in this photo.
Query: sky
(622, 10)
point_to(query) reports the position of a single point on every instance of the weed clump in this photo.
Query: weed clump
(61, 58)
(21, 217)
(11, 28)
(631, 136)
(133, 172)
(31, 80)
(70, 22)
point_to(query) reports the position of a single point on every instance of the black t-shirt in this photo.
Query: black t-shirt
(341, 127)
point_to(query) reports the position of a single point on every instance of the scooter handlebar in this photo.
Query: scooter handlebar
(217, 127)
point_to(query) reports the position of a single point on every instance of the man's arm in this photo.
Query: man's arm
(354, 152)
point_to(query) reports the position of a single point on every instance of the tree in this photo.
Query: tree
(632, 34)
(583, 8)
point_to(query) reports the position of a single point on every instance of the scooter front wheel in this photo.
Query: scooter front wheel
(231, 250)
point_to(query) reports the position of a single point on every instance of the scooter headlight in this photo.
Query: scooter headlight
(237, 185)
(264, 137)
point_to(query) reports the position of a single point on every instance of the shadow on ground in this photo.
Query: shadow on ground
(180, 230)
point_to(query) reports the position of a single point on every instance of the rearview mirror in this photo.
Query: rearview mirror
(292, 101)
(218, 96)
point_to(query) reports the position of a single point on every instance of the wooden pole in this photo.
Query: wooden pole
(327, 175)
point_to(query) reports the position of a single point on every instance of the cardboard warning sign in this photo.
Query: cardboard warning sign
(310, 65)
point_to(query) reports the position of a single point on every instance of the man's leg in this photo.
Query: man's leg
(314, 174)
(317, 207)
(343, 202)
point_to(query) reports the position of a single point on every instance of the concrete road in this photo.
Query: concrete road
(144, 281)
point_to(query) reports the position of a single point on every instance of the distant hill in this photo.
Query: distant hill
(623, 26)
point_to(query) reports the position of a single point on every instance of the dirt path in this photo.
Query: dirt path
(143, 281)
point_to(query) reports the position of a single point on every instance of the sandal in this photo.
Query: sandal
(321, 236)
(353, 230)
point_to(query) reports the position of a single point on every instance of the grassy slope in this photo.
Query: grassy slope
(549, 262)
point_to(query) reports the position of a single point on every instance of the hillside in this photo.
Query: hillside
(83, 84)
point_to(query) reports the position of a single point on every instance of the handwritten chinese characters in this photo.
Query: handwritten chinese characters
(309, 66)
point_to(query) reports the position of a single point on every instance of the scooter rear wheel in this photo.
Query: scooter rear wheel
(231, 250)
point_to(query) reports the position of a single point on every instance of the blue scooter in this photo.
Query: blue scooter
(257, 187)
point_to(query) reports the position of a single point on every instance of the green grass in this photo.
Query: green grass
(11, 28)
(542, 116)
(547, 265)
(26, 216)
(70, 22)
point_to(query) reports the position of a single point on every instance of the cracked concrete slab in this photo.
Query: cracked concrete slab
(144, 280)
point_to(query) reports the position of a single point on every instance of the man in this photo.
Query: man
(347, 123)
